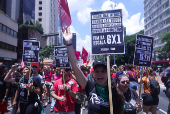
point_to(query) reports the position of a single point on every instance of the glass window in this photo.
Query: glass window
(7, 47)
(40, 19)
(15, 34)
(40, 14)
(8, 30)
(40, 2)
(40, 8)
(10, 48)
(0, 26)
(4, 28)
(12, 32)
(3, 45)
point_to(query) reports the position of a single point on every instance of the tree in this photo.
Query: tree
(47, 51)
(165, 50)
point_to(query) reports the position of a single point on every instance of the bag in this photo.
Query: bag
(145, 95)
(130, 107)
(167, 92)
(155, 88)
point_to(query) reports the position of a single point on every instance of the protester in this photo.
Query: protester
(4, 87)
(98, 95)
(166, 80)
(28, 104)
(131, 105)
(150, 101)
(48, 85)
(64, 91)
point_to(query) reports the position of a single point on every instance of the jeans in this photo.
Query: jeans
(53, 103)
(14, 110)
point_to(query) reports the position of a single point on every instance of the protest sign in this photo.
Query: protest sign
(107, 32)
(61, 57)
(31, 50)
(143, 51)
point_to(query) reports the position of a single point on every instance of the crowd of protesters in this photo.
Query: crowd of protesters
(72, 87)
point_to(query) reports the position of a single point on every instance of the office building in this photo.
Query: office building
(8, 40)
(156, 19)
(74, 41)
(46, 13)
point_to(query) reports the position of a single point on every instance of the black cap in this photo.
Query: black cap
(2, 66)
(103, 64)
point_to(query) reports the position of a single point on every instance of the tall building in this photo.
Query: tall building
(46, 13)
(74, 41)
(156, 19)
(8, 40)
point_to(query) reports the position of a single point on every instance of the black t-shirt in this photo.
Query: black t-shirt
(96, 105)
(23, 91)
(3, 86)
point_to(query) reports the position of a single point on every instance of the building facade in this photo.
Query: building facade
(46, 13)
(156, 20)
(8, 40)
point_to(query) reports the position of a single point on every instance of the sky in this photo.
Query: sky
(133, 14)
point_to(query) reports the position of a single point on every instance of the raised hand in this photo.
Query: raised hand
(67, 35)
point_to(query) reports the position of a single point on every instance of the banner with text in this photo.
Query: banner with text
(61, 57)
(143, 51)
(31, 51)
(107, 32)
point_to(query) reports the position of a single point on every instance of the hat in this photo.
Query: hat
(2, 66)
(100, 64)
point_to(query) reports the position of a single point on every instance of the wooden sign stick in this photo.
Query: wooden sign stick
(64, 83)
(29, 79)
(140, 86)
(109, 85)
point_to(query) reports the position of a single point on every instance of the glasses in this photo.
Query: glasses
(127, 81)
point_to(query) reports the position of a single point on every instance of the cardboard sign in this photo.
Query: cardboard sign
(61, 57)
(143, 51)
(107, 32)
(30, 51)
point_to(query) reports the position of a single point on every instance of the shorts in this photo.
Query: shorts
(151, 100)
(3, 107)
(72, 112)
(133, 85)
(48, 84)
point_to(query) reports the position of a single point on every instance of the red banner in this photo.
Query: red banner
(84, 55)
(64, 13)
(77, 53)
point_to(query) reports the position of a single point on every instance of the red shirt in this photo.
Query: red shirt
(67, 106)
(113, 75)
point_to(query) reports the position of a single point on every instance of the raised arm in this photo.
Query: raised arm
(7, 77)
(81, 79)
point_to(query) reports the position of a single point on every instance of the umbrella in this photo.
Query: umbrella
(159, 66)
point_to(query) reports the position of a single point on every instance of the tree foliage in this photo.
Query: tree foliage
(47, 51)
(128, 57)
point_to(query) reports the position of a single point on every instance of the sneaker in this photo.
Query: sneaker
(45, 104)
(51, 110)
(83, 108)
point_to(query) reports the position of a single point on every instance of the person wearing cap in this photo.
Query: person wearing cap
(98, 94)
(64, 91)
(129, 95)
(166, 80)
(28, 104)
(4, 87)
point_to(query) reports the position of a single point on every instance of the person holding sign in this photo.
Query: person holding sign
(98, 94)
(65, 92)
(129, 94)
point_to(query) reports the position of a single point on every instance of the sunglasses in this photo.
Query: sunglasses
(127, 81)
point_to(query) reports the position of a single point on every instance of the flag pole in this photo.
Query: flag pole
(29, 79)
(140, 85)
(109, 85)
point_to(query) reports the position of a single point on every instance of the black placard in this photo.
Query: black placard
(61, 57)
(31, 51)
(143, 51)
(107, 32)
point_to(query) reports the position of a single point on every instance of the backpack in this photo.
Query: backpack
(154, 86)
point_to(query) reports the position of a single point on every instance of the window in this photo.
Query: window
(40, 2)
(8, 30)
(12, 32)
(0, 26)
(4, 28)
(7, 47)
(40, 14)
(3, 45)
(40, 8)
(15, 34)
(40, 19)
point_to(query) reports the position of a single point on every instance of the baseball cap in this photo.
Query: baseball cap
(103, 64)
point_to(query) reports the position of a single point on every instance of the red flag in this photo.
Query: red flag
(88, 58)
(64, 13)
(77, 53)
(84, 55)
